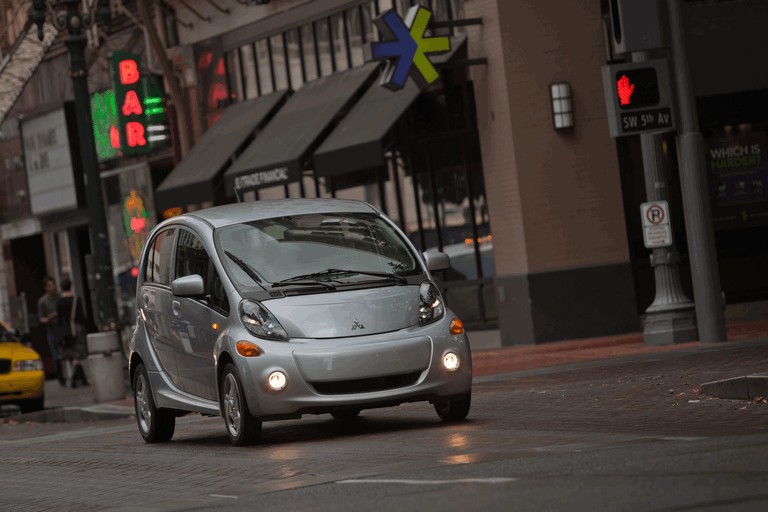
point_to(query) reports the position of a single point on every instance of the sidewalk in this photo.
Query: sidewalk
(66, 404)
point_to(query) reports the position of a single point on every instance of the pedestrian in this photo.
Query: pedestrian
(46, 315)
(72, 325)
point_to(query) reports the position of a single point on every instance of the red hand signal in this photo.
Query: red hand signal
(625, 89)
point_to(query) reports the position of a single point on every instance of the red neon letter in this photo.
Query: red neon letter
(134, 133)
(129, 72)
(114, 137)
(131, 105)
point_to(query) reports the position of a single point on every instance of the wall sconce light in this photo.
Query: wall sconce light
(562, 106)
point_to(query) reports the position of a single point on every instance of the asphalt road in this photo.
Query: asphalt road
(619, 434)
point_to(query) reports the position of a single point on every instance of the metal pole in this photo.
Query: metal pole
(671, 316)
(104, 307)
(705, 274)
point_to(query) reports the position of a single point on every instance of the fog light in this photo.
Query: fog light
(277, 381)
(450, 361)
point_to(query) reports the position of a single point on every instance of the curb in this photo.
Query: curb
(738, 388)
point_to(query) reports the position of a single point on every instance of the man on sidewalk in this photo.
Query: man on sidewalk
(46, 315)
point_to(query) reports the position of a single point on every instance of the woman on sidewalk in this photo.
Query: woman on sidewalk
(72, 321)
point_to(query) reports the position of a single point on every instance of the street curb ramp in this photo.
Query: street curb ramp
(747, 387)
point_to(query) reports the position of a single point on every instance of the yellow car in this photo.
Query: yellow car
(22, 378)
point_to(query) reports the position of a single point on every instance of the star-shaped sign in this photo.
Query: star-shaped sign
(406, 49)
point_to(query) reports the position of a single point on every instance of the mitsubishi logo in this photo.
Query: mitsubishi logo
(357, 325)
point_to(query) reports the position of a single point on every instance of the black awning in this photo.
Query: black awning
(278, 154)
(358, 141)
(194, 180)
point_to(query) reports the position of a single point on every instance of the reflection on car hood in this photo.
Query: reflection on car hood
(15, 350)
(347, 313)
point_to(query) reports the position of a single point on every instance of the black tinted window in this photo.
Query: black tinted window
(191, 257)
(158, 269)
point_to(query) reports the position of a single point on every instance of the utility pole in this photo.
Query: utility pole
(702, 251)
(671, 316)
(66, 14)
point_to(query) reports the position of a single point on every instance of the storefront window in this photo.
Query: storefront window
(266, 79)
(340, 48)
(250, 83)
(295, 61)
(324, 49)
(310, 58)
(279, 69)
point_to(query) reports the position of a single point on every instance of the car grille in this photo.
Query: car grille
(343, 387)
(5, 366)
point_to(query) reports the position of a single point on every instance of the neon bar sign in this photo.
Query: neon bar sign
(141, 119)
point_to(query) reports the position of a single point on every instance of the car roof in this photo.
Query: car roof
(237, 213)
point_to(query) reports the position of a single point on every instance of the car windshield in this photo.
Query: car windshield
(325, 248)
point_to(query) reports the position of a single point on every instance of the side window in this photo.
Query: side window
(158, 269)
(219, 294)
(191, 257)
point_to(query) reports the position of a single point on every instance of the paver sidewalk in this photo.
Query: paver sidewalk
(502, 360)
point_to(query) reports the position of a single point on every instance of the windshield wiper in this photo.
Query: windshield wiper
(335, 271)
(244, 267)
(305, 282)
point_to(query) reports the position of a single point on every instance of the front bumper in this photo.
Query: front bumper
(16, 386)
(362, 372)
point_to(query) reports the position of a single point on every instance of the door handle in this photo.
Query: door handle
(175, 306)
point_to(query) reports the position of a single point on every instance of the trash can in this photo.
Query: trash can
(105, 366)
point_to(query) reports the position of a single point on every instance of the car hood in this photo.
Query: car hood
(15, 350)
(347, 313)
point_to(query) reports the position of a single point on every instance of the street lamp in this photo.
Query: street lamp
(66, 14)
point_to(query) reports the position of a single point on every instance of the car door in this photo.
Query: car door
(197, 319)
(155, 301)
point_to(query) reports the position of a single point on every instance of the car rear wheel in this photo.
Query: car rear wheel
(454, 410)
(155, 425)
(242, 427)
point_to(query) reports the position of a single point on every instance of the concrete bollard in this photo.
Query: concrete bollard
(105, 366)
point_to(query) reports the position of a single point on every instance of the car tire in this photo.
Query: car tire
(242, 427)
(346, 414)
(156, 425)
(454, 410)
(32, 405)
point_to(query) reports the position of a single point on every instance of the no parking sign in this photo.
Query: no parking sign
(656, 229)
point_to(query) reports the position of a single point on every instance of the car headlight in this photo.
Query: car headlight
(431, 307)
(261, 322)
(28, 365)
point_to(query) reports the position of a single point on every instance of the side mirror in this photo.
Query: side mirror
(188, 286)
(436, 260)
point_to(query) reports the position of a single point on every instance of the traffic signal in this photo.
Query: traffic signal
(637, 88)
(638, 97)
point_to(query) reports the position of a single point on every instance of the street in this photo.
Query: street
(628, 433)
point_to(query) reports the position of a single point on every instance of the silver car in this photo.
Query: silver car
(269, 310)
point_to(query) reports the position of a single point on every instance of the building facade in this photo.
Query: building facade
(506, 163)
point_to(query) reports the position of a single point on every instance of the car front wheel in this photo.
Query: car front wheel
(155, 425)
(242, 427)
(32, 405)
(454, 410)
